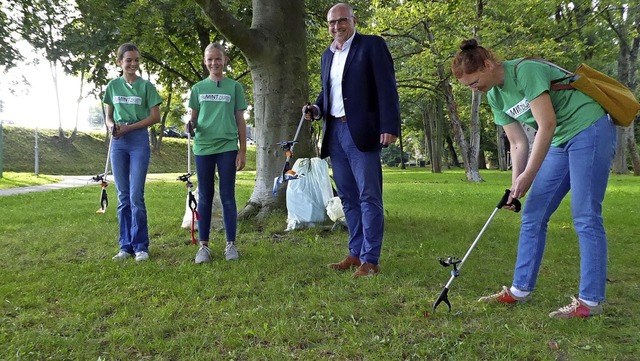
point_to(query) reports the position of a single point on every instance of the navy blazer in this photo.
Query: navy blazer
(369, 93)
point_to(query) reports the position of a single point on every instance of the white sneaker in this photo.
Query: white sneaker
(203, 255)
(122, 255)
(142, 256)
(231, 252)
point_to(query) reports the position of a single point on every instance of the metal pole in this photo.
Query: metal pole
(36, 152)
(188, 152)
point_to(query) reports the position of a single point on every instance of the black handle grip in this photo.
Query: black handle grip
(514, 202)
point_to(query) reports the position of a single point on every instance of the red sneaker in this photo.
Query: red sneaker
(577, 308)
(505, 296)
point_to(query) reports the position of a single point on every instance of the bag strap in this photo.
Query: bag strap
(554, 83)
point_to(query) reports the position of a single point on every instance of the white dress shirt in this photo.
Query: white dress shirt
(335, 76)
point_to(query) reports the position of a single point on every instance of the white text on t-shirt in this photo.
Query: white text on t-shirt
(215, 98)
(127, 100)
(519, 109)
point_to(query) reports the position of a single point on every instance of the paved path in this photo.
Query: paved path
(70, 181)
(66, 182)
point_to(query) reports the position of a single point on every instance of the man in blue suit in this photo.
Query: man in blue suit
(361, 111)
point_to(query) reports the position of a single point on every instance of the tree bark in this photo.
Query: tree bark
(503, 161)
(156, 139)
(632, 149)
(80, 97)
(54, 77)
(619, 165)
(452, 152)
(628, 46)
(468, 160)
(428, 132)
(402, 161)
(431, 120)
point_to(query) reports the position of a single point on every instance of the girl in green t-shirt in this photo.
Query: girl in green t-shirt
(132, 106)
(572, 151)
(217, 118)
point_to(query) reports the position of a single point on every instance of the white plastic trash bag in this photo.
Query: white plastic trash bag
(308, 195)
(334, 210)
(216, 212)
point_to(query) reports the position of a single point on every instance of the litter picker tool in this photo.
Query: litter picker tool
(457, 263)
(102, 178)
(191, 199)
(287, 146)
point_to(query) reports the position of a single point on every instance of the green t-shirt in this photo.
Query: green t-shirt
(216, 103)
(131, 103)
(575, 111)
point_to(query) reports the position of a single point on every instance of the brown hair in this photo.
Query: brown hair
(470, 58)
(126, 47)
(123, 49)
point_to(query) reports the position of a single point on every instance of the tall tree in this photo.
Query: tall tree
(421, 39)
(624, 20)
(41, 25)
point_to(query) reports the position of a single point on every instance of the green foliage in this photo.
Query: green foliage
(64, 298)
(95, 118)
(9, 55)
(392, 156)
(41, 25)
(171, 36)
(175, 111)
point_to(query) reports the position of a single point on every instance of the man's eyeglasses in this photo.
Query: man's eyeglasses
(341, 21)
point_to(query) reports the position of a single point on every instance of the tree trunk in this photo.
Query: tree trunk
(501, 142)
(156, 139)
(632, 148)
(452, 152)
(54, 77)
(275, 49)
(628, 47)
(80, 97)
(402, 166)
(472, 171)
(620, 160)
(482, 160)
(435, 121)
(437, 142)
(428, 132)
(470, 162)
(431, 120)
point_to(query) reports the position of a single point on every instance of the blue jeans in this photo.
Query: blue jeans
(206, 169)
(581, 165)
(358, 177)
(130, 156)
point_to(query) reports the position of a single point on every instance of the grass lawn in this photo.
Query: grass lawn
(13, 180)
(63, 298)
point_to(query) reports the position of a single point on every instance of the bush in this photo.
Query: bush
(391, 156)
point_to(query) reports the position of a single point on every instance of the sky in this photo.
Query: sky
(36, 105)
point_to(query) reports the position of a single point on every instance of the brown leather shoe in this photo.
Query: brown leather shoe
(347, 263)
(366, 269)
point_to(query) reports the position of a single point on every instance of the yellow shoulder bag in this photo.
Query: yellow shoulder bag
(612, 95)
